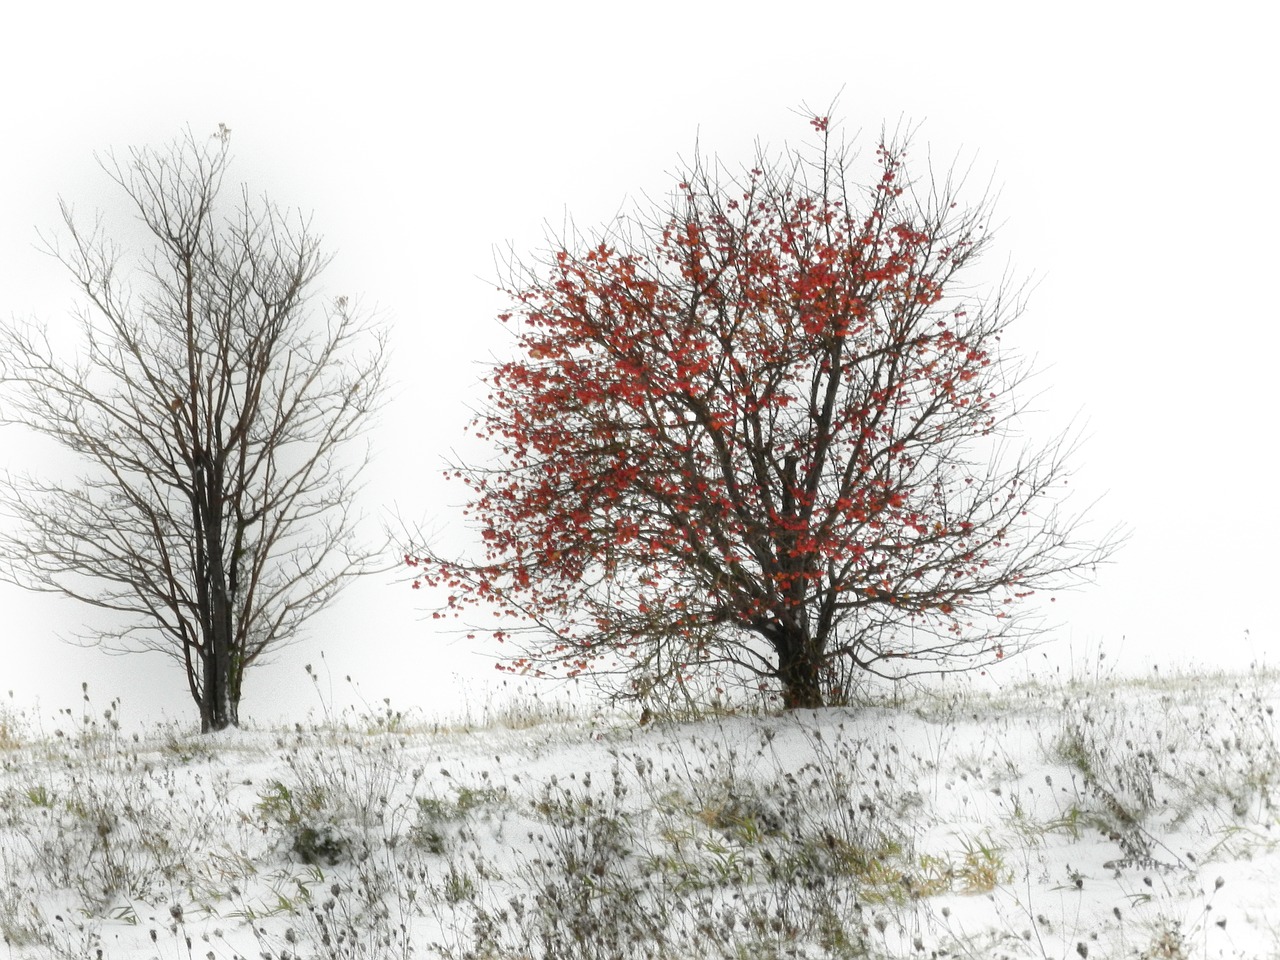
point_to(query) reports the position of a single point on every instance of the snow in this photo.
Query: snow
(1102, 817)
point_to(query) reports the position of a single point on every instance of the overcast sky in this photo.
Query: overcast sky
(1133, 147)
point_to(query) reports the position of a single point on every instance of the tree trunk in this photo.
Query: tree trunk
(218, 709)
(221, 688)
(219, 699)
(800, 670)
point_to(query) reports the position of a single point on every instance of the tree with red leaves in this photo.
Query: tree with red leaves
(764, 432)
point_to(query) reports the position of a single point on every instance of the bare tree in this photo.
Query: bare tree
(211, 401)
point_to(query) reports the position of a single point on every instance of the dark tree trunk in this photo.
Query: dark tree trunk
(219, 698)
(218, 708)
(800, 660)
(221, 692)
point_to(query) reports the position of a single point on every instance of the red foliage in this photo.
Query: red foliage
(758, 431)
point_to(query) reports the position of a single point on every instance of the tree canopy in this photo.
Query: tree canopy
(764, 430)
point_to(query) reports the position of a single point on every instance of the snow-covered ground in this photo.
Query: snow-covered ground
(1087, 818)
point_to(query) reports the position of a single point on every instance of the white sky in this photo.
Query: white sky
(1133, 143)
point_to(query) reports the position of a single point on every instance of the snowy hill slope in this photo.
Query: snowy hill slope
(1100, 819)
